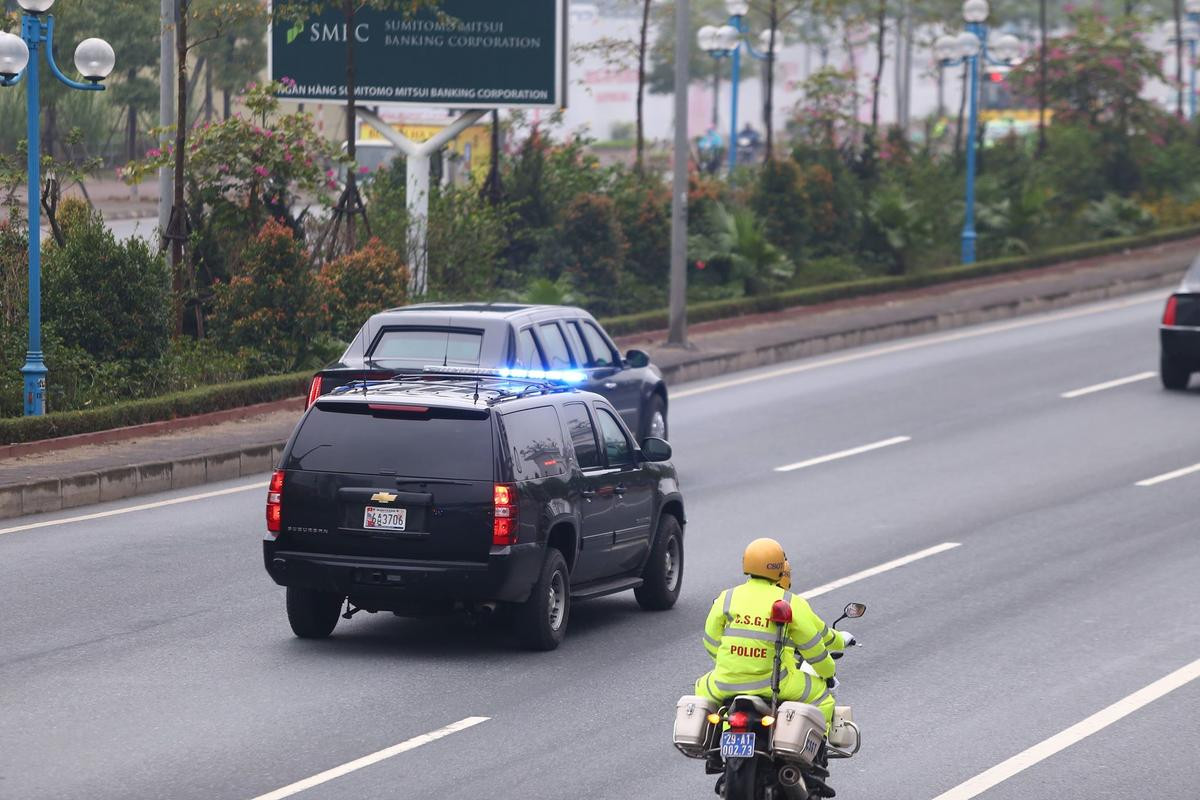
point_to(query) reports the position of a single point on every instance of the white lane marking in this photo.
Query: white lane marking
(1074, 734)
(373, 758)
(130, 509)
(916, 345)
(890, 565)
(854, 451)
(1100, 387)
(1169, 476)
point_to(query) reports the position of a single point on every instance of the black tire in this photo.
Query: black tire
(656, 406)
(312, 614)
(1175, 375)
(541, 621)
(741, 777)
(662, 577)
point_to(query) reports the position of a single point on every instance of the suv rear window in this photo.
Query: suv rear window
(349, 438)
(423, 346)
(534, 443)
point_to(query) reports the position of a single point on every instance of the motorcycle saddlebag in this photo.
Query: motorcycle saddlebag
(693, 731)
(843, 736)
(799, 729)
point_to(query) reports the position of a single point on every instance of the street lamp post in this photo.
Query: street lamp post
(967, 48)
(726, 42)
(1191, 34)
(94, 59)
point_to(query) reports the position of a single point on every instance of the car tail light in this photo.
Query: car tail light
(504, 514)
(1170, 311)
(314, 391)
(739, 721)
(275, 503)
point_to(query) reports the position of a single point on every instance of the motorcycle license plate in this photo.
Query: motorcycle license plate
(388, 519)
(737, 745)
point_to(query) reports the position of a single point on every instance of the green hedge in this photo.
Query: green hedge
(155, 409)
(725, 309)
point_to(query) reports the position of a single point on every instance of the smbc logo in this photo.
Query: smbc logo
(318, 32)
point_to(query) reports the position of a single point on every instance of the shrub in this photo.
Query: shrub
(466, 238)
(643, 207)
(781, 203)
(271, 302)
(110, 299)
(595, 248)
(362, 283)
(1115, 216)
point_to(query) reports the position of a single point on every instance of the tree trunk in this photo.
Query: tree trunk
(769, 100)
(881, 46)
(131, 131)
(1178, 9)
(208, 92)
(50, 130)
(1041, 146)
(226, 104)
(194, 82)
(639, 161)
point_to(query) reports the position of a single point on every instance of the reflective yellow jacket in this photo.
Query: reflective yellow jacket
(740, 637)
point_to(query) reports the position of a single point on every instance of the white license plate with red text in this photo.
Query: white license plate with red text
(387, 519)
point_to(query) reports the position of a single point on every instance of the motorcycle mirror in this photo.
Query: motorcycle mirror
(854, 610)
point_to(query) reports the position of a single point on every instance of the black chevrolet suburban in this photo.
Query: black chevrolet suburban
(442, 491)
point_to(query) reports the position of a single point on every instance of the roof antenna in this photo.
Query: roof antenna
(446, 352)
(476, 400)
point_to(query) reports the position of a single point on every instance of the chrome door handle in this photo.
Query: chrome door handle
(587, 494)
(610, 384)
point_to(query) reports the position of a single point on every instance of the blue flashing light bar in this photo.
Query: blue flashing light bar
(547, 375)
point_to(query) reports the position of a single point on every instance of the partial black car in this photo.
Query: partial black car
(1179, 334)
(495, 336)
(430, 494)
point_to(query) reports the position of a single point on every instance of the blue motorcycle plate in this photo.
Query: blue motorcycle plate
(737, 745)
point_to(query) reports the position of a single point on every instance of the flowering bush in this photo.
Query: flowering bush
(258, 162)
(362, 283)
(271, 301)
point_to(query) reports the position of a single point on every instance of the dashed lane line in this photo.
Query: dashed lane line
(373, 758)
(854, 451)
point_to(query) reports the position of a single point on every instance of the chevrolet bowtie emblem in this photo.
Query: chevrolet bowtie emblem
(383, 497)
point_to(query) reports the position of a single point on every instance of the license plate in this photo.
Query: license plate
(388, 519)
(737, 745)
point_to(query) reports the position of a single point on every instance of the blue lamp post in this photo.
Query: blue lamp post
(94, 59)
(726, 42)
(968, 48)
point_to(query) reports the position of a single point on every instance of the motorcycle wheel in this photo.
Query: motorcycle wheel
(741, 779)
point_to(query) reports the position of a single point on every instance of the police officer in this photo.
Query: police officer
(740, 637)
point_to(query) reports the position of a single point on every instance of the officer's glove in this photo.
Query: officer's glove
(832, 683)
(848, 638)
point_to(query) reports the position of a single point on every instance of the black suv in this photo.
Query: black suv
(438, 492)
(498, 336)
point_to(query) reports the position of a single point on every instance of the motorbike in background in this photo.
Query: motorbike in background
(768, 750)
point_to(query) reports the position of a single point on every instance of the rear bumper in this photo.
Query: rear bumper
(1181, 344)
(390, 584)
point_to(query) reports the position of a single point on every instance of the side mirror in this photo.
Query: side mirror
(636, 359)
(655, 449)
(854, 610)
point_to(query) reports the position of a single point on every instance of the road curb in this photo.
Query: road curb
(131, 480)
(716, 364)
(86, 488)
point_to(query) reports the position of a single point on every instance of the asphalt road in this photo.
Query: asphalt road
(146, 654)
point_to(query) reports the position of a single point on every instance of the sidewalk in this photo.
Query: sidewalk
(142, 464)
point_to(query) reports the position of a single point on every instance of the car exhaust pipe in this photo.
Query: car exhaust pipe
(789, 776)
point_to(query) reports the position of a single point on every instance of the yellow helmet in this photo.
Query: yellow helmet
(764, 558)
(785, 580)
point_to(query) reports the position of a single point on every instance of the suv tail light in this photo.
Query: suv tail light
(1170, 311)
(504, 514)
(314, 391)
(275, 503)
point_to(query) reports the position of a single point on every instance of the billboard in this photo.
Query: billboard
(467, 54)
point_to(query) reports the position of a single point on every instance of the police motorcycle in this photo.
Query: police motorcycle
(768, 751)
